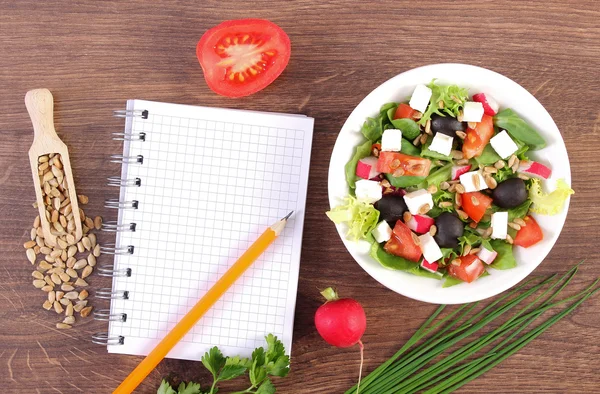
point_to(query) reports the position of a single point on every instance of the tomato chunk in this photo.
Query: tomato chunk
(530, 234)
(470, 268)
(478, 138)
(399, 164)
(475, 204)
(402, 243)
(404, 111)
(241, 57)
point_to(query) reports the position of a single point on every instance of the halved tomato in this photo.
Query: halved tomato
(404, 111)
(470, 268)
(478, 138)
(530, 234)
(475, 204)
(399, 164)
(402, 243)
(241, 57)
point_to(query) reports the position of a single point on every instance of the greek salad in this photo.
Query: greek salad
(443, 186)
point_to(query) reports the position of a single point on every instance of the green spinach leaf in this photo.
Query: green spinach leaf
(440, 175)
(488, 156)
(505, 259)
(404, 181)
(398, 263)
(410, 128)
(362, 150)
(519, 129)
(451, 281)
(372, 129)
(519, 211)
(408, 148)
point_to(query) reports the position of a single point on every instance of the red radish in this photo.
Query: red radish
(457, 171)
(487, 256)
(490, 106)
(420, 224)
(341, 322)
(367, 168)
(535, 168)
(431, 267)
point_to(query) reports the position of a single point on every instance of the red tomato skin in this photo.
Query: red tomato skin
(478, 138)
(402, 244)
(215, 75)
(530, 234)
(464, 271)
(341, 322)
(475, 212)
(399, 164)
(404, 111)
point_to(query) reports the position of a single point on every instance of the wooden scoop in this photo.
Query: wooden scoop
(40, 105)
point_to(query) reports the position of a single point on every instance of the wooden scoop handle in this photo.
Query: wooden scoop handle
(40, 105)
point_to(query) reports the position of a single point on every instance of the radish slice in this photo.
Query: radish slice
(420, 224)
(367, 168)
(490, 106)
(535, 168)
(457, 171)
(487, 256)
(431, 267)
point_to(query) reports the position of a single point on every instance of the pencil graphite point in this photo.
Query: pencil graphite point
(288, 216)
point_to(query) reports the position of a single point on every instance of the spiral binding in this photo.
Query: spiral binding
(112, 226)
(105, 315)
(110, 270)
(116, 204)
(109, 294)
(120, 159)
(117, 181)
(127, 113)
(129, 136)
(102, 338)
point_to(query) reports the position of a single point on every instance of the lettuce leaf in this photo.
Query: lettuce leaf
(505, 259)
(453, 96)
(363, 150)
(398, 263)
(548, 203)
(361, 217)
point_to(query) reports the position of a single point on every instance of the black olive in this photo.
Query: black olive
(510, 193)
(446, 125)
(391, 208)
(449, 228)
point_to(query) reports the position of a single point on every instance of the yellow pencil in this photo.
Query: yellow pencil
(205, 303)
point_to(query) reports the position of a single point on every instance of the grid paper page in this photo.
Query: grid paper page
(212, 180)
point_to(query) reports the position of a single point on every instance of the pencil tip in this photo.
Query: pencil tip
(288, 216)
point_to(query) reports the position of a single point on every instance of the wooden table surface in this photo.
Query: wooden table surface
(95, 55)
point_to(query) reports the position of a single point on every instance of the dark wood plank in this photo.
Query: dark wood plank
(95, 55)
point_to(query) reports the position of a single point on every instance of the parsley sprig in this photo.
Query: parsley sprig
(260, 368)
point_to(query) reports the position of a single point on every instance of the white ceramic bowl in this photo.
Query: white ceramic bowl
(508, 94)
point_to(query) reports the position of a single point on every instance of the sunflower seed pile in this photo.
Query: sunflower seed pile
(61, 270)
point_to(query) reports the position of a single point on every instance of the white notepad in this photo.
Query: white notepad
(211, 181)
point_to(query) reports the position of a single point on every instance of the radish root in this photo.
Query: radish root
(362, 351)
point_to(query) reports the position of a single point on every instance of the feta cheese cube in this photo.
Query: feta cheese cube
(391, 140)
(470, 184)
(420, 98)
(415, 200)
(472, 111)
(441, 143)
(499, 225)
(368, 191)
(503, 144)
(382, 232)
(431, 250)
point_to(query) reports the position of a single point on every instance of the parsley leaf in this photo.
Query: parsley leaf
(213, 360)
(266, 387)
(165, 388)
(190, 388)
